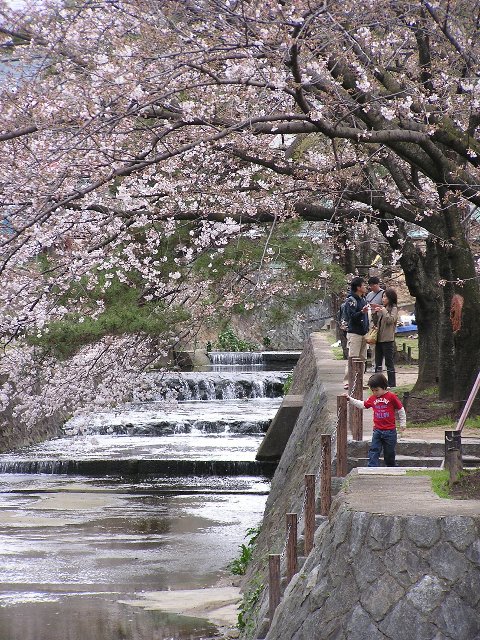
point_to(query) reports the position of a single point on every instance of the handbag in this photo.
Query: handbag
(371, 336)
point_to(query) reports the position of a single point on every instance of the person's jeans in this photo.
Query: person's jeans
(385, 439)
(386, 350)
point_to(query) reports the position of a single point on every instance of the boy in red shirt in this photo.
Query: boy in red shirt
(386, 405)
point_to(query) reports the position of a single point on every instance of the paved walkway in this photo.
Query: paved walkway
(332, 375)
(392, 492)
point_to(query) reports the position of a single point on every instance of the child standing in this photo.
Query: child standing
(386, 405)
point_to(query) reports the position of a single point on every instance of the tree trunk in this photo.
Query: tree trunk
(345, 254)
(444, 328)
(467, 338)
(421, 276)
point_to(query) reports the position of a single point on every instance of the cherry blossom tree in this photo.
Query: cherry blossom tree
(123, 120)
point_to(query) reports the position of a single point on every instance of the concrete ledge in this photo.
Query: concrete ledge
(281, 356)
(393, 493)
(280, 429)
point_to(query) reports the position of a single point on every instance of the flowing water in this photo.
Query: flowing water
(151, 496)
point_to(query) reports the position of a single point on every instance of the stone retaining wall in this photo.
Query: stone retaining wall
(378, 576)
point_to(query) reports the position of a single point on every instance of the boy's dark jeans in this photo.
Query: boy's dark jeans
(385, 439)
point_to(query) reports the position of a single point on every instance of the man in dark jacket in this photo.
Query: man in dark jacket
(357, 315)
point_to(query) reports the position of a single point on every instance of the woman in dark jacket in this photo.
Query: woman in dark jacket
(385, 317)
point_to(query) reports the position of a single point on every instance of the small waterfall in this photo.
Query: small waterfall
(236, 357)
(37, 466)
(155, 419)
(145, 467)
(167, 427)
(181, 423)
(216, 386)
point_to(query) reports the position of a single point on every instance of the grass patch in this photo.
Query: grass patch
(439, 480)
(429, 392)
(444, 421)
(473, 423)
(337, 352)
(402, 389)
(409, 342)
(447, 422)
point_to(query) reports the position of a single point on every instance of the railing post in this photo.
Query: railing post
(309, 512)
(326, 474)
(453, 454)
(350, 373)
(356, 415)
(274, 583)
(292, 540)
(405, 399)
(342, 451)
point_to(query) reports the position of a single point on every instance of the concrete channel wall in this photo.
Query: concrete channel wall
(393, 561)
(301, 456)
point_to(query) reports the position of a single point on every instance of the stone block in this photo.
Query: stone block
(469, 588)
(361, 626)
(406, 566)
(473, 553)
(360, 524)
(447, 562)
(385, 531)
(460, 531)
(405, 622)
(342, 600)
(343, 524)
(427, 594)
(423, 531)
(458, 620)
(368, 567)
(381, 596)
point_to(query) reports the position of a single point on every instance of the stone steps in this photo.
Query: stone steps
(416, 453)
(434, 462)
(420, 448)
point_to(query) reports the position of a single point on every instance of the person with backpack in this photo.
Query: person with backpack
(356, 312)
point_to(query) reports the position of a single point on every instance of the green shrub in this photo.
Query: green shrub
(246, 608)
(239, 566)
(228, 341)
(287, 384)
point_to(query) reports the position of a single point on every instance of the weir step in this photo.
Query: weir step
(132, 467)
